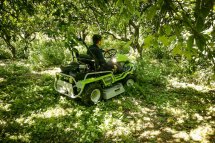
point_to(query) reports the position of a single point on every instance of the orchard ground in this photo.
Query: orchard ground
(32, 111)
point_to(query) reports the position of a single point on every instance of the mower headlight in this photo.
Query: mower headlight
(114, 60)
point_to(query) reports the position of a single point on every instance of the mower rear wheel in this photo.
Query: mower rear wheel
(92, 94)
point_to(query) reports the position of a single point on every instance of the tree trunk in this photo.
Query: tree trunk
(10, 46)
(26, 53)
(135, 43)
(13, 50)
(136, 46)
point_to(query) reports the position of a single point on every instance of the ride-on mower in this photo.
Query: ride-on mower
(82, 78)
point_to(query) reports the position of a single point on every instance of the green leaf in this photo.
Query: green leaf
(119, 3)
(200, 25)
(138, 14)
(200, 41)
(188, 55)
(151, 12)
(177, 49)
(172, 38)
(148, 40)
(190, 42)
(121, 9)
(168, 30)
(164, 40)
(127, 44)
(129, 6)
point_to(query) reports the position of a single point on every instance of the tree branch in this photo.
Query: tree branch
(115, 37)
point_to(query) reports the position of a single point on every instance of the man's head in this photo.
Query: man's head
(97, 39)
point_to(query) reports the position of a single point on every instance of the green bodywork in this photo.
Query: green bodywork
(106, 78)
(121, 58)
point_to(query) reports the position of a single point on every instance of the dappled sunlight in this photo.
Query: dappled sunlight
(175, 83)
(49, 113)
(175, 111)
(211, 110)
(22, 63)
(33, 111)
(178, 116)
(169, 130)
(176, 134)
(201, 133)
(138, 121)
(181, 135)
(52, 112)
(166, 51)
(52, 71)
(2, 64)
(143, 122)
(2, 122)
(2, 80)
(138, 124)
(114, 127)
(148, 111)
(20, 137)
(198, 117)
(5, 106)
(149, 134)
(133, 54)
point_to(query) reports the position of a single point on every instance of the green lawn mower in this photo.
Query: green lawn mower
(82, 78)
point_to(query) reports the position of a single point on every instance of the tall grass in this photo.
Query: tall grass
(46, 54)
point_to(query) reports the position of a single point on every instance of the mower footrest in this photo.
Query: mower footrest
(65, 88)
(113, 91)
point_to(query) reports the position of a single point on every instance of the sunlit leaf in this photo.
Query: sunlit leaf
(190, 42)
(168, 29)
(164, 40)
(151, 12)
(147, 41)
(128, 44)
(188, 55)
(177, 49)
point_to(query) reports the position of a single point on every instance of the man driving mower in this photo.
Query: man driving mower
(91, 78)
(97, 53)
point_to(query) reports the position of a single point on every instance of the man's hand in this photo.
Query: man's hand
(105, 50)
(114, 68)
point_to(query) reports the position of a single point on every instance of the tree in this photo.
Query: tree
(184, 27)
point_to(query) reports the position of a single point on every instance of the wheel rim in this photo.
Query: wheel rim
(130, 82)
(95, 95)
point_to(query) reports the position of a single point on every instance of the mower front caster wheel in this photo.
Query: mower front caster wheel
(129, 81)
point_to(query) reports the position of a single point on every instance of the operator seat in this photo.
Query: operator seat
(83, 58)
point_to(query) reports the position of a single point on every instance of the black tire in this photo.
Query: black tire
(92, 93)
(129, 80)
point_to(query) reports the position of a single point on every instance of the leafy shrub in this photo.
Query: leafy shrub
(47, 54)
(160, 53)
(150, 71)
(20, 49)
(5, 53)
(121, 46)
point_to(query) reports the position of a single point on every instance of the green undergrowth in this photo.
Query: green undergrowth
(152, 111)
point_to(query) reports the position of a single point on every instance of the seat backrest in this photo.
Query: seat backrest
(96, 62)
(75, 54)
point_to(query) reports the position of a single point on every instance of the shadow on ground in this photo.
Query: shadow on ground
(31, 111)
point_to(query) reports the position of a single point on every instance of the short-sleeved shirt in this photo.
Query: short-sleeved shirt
(97, 53)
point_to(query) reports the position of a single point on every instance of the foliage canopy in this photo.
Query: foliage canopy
(179, 27)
